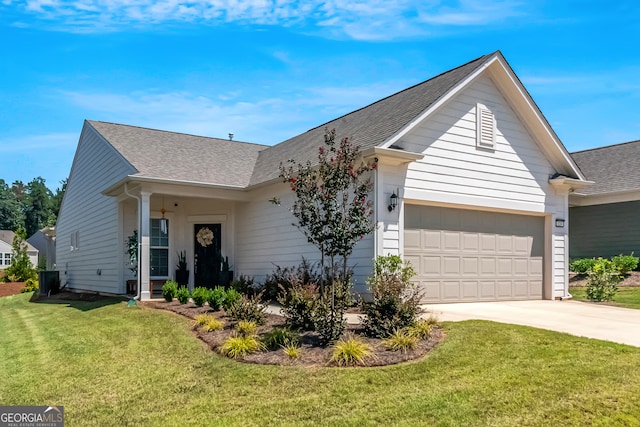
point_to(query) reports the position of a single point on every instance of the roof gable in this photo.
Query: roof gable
(7, 236)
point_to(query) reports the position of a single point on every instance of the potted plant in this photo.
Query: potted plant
(226, 274)
(131, 250)
(182, 274)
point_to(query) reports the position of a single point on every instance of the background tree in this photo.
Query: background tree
(56, 200)
(11, 216)
(21, 268)
(37, 203)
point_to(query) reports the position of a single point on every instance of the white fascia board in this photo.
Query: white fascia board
(180, 188)
(391, 156)
(578, 199)
(564, 182)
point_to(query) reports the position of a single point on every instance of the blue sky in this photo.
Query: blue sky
(267, 70)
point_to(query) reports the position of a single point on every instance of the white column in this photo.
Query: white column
(143, 249)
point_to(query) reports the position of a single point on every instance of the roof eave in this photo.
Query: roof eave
(391, 156)
(567, 183)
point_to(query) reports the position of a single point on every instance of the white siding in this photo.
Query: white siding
(93, 216)
(266, 238)
(454, 171)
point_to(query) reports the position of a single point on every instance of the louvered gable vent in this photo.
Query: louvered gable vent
(486, 127)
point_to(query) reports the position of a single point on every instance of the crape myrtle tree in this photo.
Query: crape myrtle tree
(334, 212)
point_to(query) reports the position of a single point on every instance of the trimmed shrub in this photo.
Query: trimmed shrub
(351, 351)
(200, 295)
(169, 290)
(231, 297)
(31, 285)
(183, 295)
(216, 298)
(395, 300)
(248, 309)
(581, 265)
(240, 346)
(279, 338)
(625, 263)
(602, 281)
(299, 303)
(329, 318)
(401, 340)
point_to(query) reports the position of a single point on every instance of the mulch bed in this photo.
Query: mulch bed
(313, 353)
(631, 280)
(12, 288)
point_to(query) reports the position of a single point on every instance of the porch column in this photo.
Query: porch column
(143, 250)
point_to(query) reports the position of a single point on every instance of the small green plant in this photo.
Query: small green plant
(602, 281)
(299, 302)
(245, 285)
(231, 297)
(279, 337)
(292, 350)
(247, 328)
(240, 346)
(582, 265)
(216, 298)
(213, 325)
(351, 351)
(21, 268)
(202, 319)
(248, 309)
(182, 261)
(401, 340)
(183, 295)
(200, 295)
(625, 263)
(169, 290)
(422, 328)
(31, 285)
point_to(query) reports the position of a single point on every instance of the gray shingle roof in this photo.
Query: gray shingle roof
(369, 126)
(181, 157)
(613, 168)
(7, 237)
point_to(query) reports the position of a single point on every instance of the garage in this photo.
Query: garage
(463, 255)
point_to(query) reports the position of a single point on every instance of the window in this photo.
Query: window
(485, 127)
(7, 259)
(75, 240)
(159, 249)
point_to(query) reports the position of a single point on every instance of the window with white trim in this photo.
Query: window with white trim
(485, 127)
(75, 240)
(159, 248)
(7, 259)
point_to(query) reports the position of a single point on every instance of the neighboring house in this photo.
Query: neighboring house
(482, 179)
(6, 250)
(605, 218)
(45, 241)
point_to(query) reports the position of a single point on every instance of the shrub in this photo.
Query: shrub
(248, 309)
(200, 295)
(216, 298)
(602, 281)
(21, 268)
(202, 319)
(183, 295)
(395, 300)
(283, 278)
(351, 351)
(31, 285)
(169, 290)
(213, 324)
(239, 346)
(231, 297)
(329, 319)
(625, 263)
(292, 350)
(247, 328)
(422, 328)
(245, 285)
(299, 304)
(582, 265)
(280, 338)
(401, 340)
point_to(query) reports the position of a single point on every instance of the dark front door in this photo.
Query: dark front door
(206, 259)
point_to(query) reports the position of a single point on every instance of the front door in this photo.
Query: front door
(207, 250)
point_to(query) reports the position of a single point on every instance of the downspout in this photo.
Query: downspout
(126, 191)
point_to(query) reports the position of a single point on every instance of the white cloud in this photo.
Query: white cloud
(358, 19)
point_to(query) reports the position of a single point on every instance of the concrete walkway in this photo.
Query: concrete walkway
(621, 325)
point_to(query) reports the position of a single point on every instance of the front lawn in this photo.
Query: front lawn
(628, 297)
(110, 364)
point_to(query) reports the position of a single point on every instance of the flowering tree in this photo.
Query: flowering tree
(332, 203)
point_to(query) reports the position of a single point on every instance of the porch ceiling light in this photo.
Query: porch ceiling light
(163, 222)
(393, 202)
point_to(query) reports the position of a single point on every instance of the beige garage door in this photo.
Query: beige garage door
(465, 255)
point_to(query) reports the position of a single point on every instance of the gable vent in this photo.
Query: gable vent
(486, 128)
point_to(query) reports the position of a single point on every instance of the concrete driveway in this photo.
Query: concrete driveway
(621, 325)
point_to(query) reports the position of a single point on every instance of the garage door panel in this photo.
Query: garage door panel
(466, 255)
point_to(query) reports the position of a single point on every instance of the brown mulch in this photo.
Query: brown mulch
(12, 288)
(313, 354)
(632, 279)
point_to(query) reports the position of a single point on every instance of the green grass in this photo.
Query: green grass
(109, 364)
(628, 297)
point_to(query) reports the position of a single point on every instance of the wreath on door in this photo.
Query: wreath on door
(205, 237)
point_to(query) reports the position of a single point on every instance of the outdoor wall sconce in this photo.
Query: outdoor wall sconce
(393, 202)
(559, 222)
